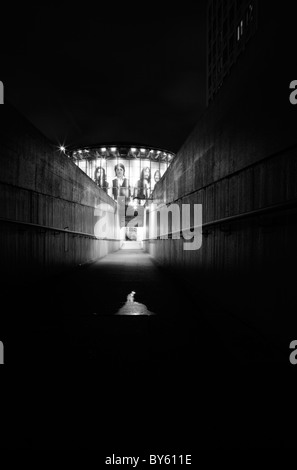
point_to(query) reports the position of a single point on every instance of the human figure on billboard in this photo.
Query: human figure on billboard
(143, 186)
(157, 176)
(100, 178)
(120, 185)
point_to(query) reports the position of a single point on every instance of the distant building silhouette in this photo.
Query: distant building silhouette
(230, 25)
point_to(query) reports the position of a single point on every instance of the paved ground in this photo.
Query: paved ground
(89, 378)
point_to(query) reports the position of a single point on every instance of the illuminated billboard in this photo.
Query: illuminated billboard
(122, 170)
(128, 174)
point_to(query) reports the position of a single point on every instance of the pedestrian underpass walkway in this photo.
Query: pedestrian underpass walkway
(88, 314)
(143, 379)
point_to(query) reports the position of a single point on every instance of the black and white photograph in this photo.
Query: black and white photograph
(148, 228)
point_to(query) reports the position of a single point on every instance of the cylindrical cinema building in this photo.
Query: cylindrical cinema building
(126, 172)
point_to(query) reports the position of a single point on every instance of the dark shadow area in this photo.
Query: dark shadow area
(82, 377)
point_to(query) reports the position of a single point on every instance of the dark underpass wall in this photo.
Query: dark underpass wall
(43, 194)
(240, 162)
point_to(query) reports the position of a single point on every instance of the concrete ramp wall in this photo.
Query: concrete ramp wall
(47, 204)
(240, 164)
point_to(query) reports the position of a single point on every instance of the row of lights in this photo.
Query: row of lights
(114, 149)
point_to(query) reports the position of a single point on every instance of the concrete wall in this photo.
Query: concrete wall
(241, 157)
(40, 185)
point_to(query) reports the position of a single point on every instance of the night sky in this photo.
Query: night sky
(83, 75)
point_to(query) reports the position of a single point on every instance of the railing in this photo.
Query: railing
(205, 226)
(233, 218)
(45, 228)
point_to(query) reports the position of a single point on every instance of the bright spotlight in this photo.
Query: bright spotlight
(113, 149)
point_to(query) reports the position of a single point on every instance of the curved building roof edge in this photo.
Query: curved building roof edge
(119, 144)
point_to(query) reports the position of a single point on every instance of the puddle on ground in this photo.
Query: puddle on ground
(133, 308)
